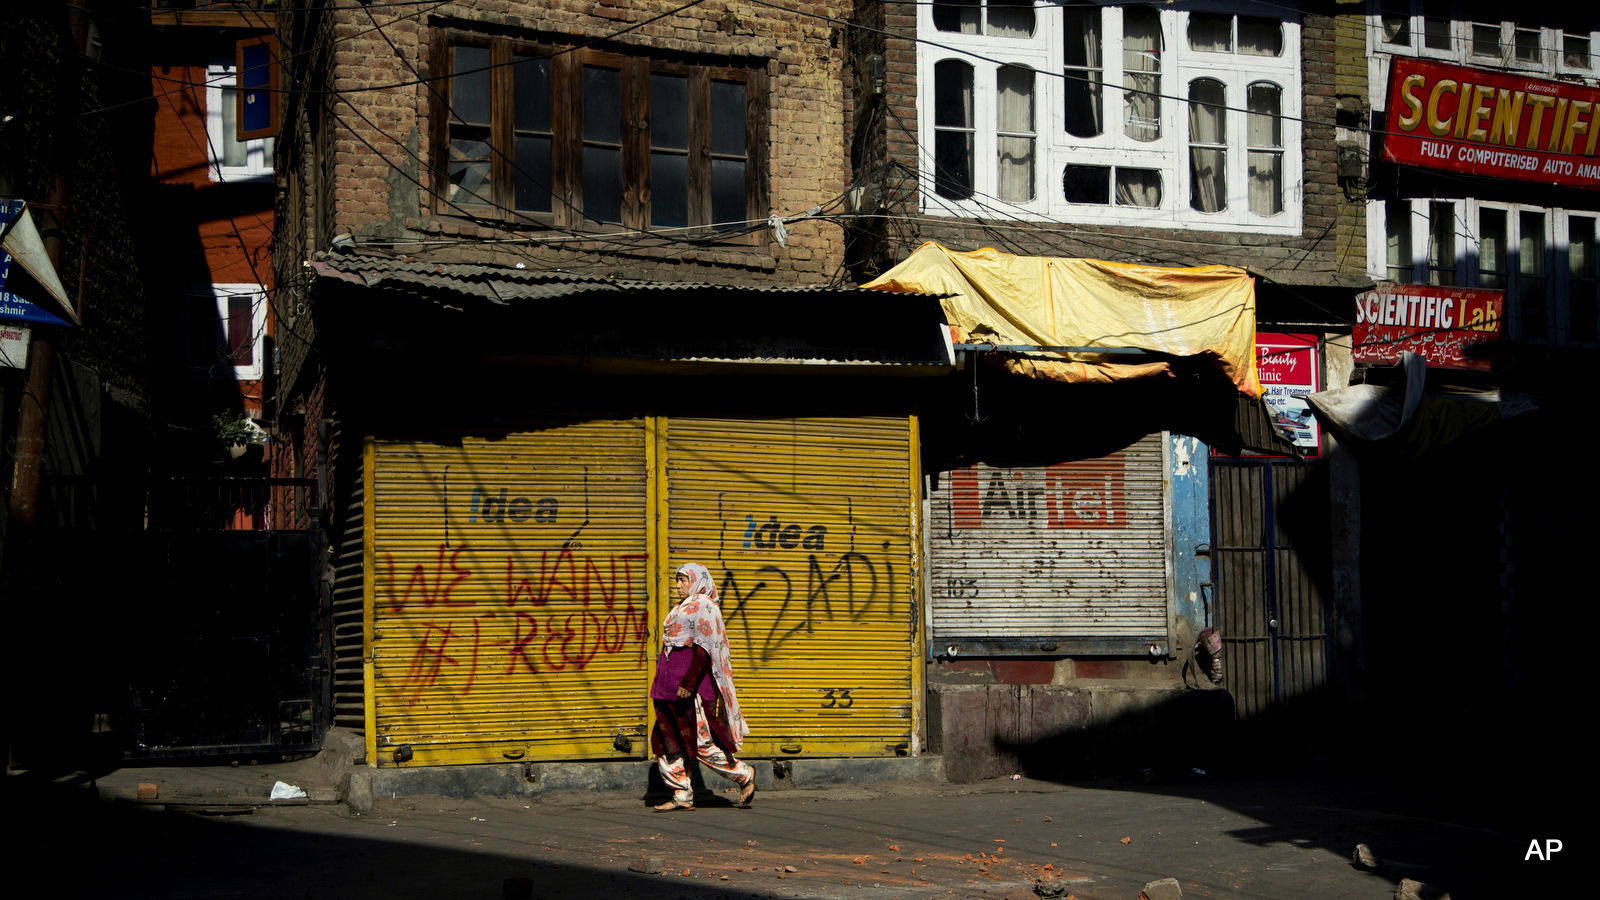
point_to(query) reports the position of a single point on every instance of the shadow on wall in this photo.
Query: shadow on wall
(1058, 732)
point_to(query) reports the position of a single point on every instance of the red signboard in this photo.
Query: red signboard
(1289, 370)
(1441, 324)
(1091, 493)
(1498, 124)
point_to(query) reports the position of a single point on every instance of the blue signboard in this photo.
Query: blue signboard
(11, 305)
(9, 211)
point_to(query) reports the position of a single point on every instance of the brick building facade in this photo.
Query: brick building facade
(364, 153)
(1180, 135)
(816, 145)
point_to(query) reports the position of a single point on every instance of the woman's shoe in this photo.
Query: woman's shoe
(746, 794)
(673, 806)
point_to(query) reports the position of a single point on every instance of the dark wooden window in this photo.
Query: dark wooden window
(590, 140)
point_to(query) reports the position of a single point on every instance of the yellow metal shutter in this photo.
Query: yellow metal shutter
(508, 595)
(808, 527)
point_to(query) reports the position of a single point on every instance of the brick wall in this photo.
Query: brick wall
(1354, 108)
(380, 183)
(295, 456)
(305, 162)
(84, 125)
(64, 128)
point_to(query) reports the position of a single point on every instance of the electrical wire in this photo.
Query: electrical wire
(922, 151)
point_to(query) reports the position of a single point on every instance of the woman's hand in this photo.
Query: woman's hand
(683, 693)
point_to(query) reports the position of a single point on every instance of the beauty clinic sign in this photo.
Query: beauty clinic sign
(1443, 325)
(1289, 370)
(1498, 124)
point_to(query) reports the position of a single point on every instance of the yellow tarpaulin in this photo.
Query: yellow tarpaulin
(1207, 311)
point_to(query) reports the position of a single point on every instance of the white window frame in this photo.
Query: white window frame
(1558, 276)
(216, 367)
(220, 76)
(1168, 154)
(1552, 60)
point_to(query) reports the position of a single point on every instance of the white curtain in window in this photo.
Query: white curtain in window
(1210, 32)
(1535, 302)
(1138, 187)
(1265, 125)
(1260, 37)
(1580, 247)
(958, 16)
(1010, 18)
(1141, 64)
(1397, 247)
(1208, 185)
(1583, 312)
(233, 150)
(1492, 248)
(1396, 21)
(1014, 123)
(1530, 244)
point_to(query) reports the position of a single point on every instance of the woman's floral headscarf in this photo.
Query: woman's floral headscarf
(699, 581)
(698, 620)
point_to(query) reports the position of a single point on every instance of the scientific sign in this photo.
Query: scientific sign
(1447, 326)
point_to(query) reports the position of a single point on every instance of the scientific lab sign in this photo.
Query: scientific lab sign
(1447, 326)
(1498, 124)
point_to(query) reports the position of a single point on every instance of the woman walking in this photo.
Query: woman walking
(697, 711)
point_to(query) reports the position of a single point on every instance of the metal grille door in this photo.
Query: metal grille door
(1271, 528)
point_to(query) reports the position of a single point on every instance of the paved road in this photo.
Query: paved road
(1239, 837)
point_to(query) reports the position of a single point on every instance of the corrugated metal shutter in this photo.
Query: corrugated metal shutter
(509, 608)
(1069, 558)
(807, 525)
(348, 502)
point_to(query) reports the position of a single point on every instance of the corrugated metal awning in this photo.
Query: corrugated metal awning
(506, 284)
(636, 326)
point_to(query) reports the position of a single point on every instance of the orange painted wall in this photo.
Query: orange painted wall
(237, 245)
(221, 232)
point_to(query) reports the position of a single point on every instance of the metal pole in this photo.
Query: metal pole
(34, 407)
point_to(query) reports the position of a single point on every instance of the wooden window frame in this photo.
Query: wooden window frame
(221, 79)
(258, 83)
(215, 329)
(566, 121)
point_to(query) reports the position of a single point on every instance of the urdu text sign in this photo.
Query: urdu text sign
(1443, 325)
